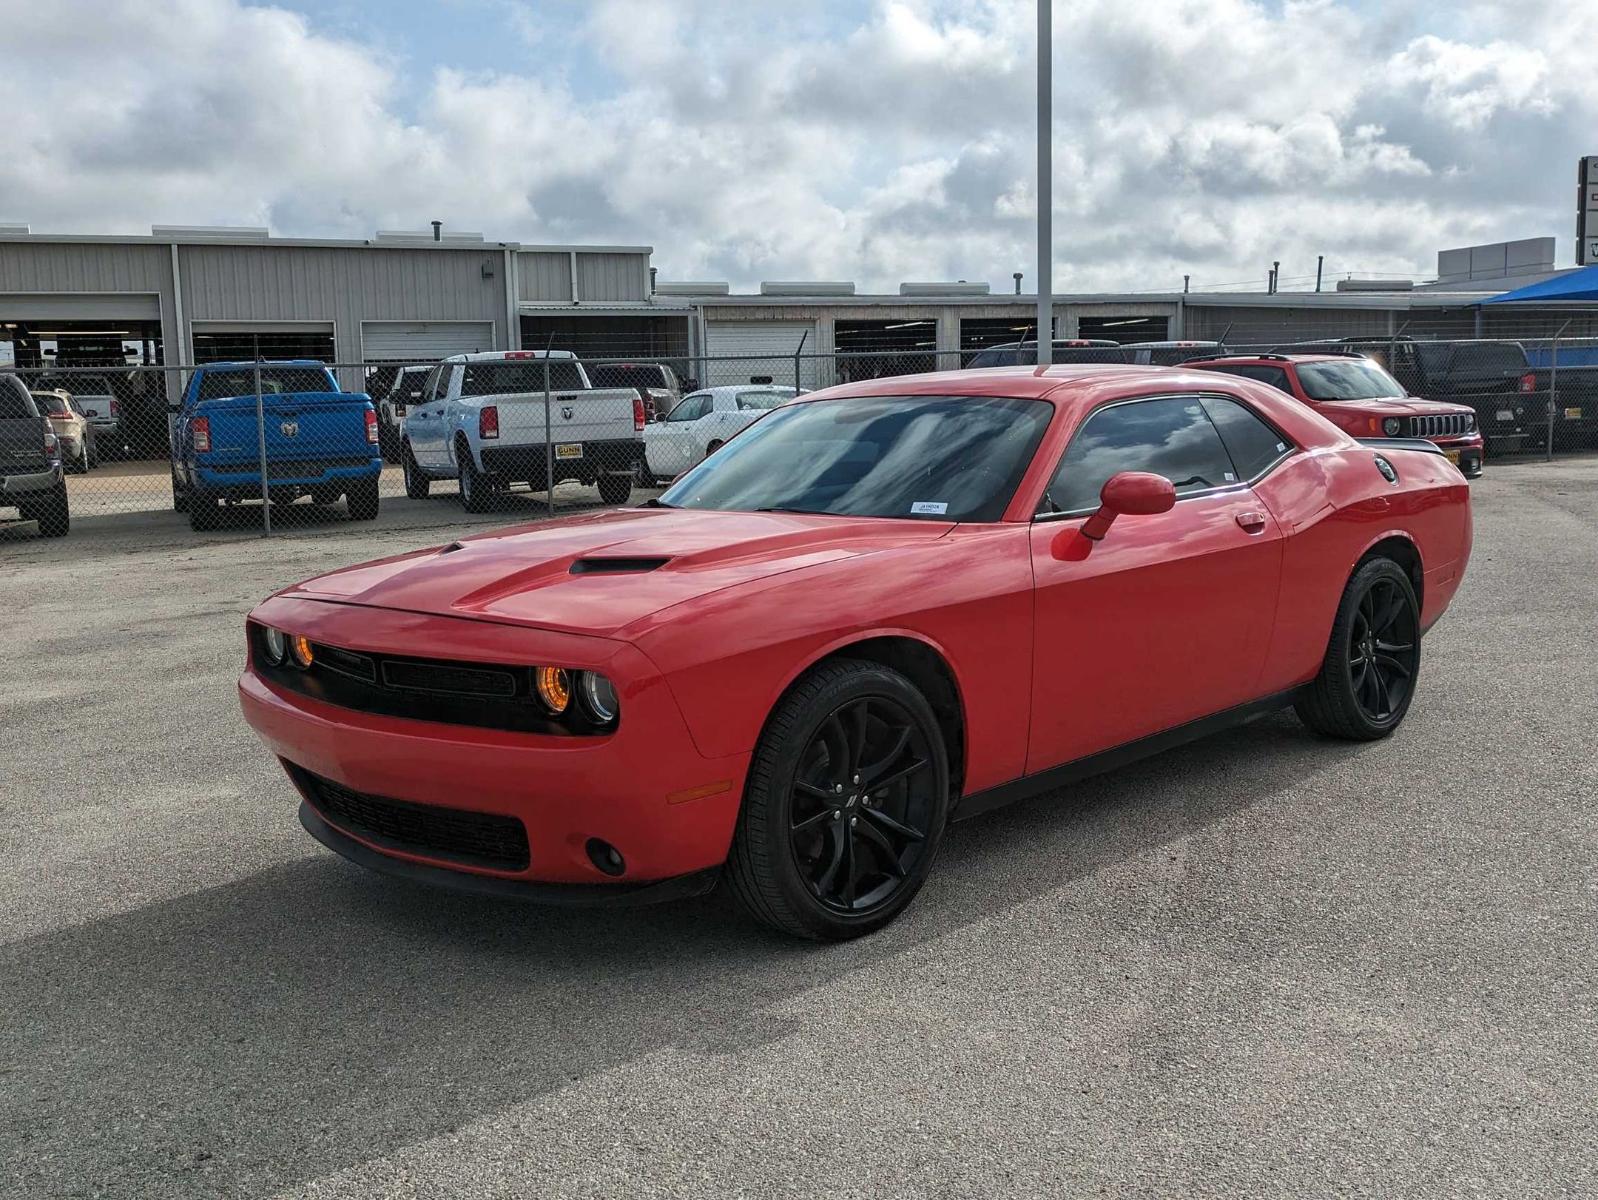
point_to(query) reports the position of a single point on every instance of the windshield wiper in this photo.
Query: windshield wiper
(806, 512)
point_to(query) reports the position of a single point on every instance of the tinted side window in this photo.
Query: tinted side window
(14, 405)
(1275, 376)
(1171, 436)
(1252, 444)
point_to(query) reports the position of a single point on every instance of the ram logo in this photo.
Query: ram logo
(567, 412)
(290, 428)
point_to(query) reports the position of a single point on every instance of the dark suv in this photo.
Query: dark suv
(31, 479)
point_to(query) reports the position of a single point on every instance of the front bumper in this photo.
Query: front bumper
(1466, 452)
(643, 789)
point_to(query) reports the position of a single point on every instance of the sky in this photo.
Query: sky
(869, 140)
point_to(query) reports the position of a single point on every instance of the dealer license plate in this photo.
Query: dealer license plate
(1453, 456)
(1572, 414)
(1505, 415)
(569, 450)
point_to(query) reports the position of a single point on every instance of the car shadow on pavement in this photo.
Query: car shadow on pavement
(255, 1036)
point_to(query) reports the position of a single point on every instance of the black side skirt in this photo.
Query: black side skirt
(1109, 760)
(564, 895)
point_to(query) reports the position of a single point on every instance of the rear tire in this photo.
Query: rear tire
(51, 512)
(713, 447)
(1368, 676)
(819, 852)
(204, 512)
(476, 495)
(363, 499)
(416, 484)
(615, 489)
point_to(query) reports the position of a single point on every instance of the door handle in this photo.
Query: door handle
(1252, 522)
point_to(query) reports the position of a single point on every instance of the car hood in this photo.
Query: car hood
(599, 574)
(1398, 406)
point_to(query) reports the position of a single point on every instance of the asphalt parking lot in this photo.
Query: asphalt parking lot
(1266, 964)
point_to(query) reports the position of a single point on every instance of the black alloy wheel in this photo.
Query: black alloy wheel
(1383, 650)
(862, 805)
(1367, 678)
(844, 805)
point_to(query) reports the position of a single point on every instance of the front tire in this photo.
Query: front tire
(845, 804)
(1367, 678)
(615, 489)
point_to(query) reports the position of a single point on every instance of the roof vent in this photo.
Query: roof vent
(821, 287)
(962, 288)
(690, 287)
(227, 233)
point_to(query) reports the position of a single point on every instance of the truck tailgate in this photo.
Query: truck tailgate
(594, 415)
(300, 426)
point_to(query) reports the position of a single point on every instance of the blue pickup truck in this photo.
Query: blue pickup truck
(320, 442)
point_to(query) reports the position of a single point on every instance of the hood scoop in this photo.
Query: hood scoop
(617, 565)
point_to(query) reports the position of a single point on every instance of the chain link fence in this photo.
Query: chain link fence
(272, 444)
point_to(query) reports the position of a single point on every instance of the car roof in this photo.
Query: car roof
(1063, 383)
(251, 364)
(1273, 359)
(513, 356)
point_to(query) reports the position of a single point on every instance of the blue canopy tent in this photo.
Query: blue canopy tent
(1577, 286)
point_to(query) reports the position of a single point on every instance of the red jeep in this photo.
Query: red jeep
(1355, 394)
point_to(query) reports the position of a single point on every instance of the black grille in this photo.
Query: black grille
(449, 678)
(1446, 425)
(474, 839)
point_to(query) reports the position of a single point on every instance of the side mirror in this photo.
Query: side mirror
(1130, 493)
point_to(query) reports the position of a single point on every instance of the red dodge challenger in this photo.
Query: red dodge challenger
(881, 608)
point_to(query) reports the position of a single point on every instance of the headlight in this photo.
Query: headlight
(274, 645)
(599, 697)
(554, 688)
(300, 649)
(1392, 427)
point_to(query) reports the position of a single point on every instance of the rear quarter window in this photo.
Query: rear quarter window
(1251, 442)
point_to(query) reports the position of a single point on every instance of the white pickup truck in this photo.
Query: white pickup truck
(482, 419)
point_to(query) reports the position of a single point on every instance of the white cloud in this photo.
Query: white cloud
(767, 140)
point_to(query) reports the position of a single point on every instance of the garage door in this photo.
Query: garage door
(423, 341)
(759, 352)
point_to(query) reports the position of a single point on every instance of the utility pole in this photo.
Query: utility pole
(1045, 182)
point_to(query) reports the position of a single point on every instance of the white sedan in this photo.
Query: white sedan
(702, 421)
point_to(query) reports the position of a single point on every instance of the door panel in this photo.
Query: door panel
(1166, 620)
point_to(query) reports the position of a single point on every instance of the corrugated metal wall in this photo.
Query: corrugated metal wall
(612, 276)
(1244, 324)
(543, 276)
(65, 267)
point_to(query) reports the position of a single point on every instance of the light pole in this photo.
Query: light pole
(1045, 324)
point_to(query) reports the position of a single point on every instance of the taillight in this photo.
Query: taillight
(640, 418)
(488, 421)
(371, 427)
(202, 434)
(1528, 382)
(116, 409)
(52, 446)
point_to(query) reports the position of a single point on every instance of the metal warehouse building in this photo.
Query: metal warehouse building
(184, 295)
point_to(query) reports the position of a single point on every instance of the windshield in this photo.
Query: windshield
(223, 385)
(610, 375)
(1355, 379)
(945, 458)
(506, 378)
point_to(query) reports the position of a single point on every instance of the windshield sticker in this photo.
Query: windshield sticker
(1230, 478)
(929, 508)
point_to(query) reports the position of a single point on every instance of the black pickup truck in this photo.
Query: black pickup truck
(1493, 377)
(1573, 389)
(30, 461)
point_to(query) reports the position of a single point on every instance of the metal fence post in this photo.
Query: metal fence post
(1553, 391)
(549, 443)
(798, 350)
(260, 439)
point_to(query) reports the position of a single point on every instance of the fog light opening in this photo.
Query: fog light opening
(605, 857)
